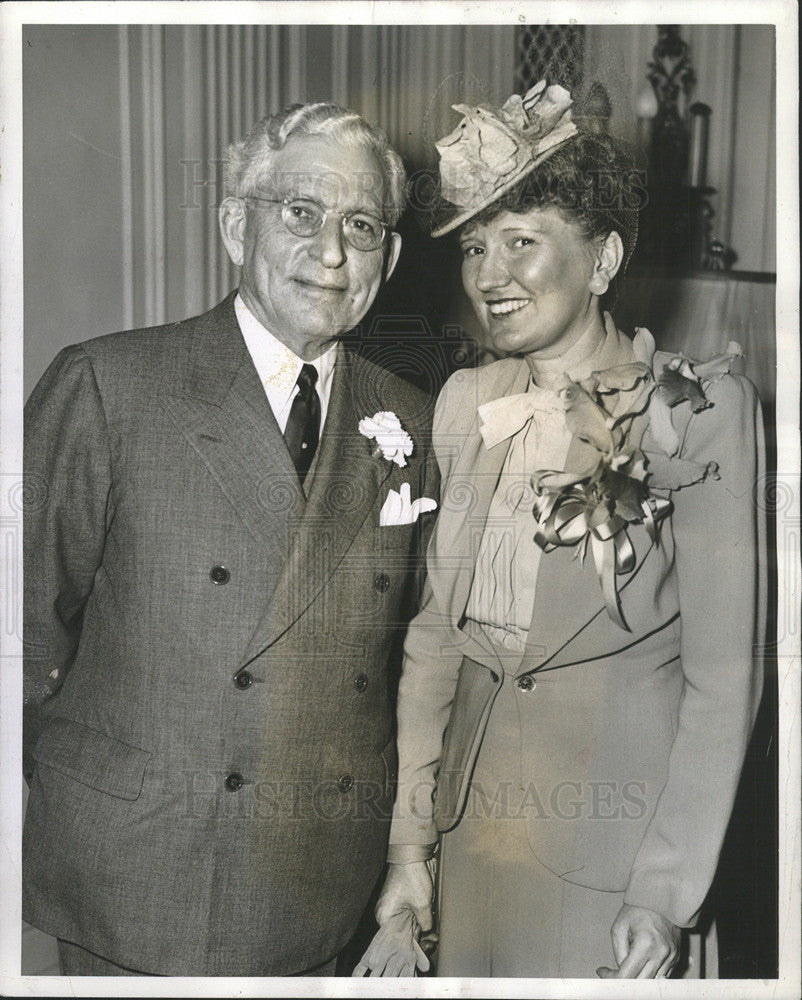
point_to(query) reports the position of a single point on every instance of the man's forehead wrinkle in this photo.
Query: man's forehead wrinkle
(333, 189)
(341, 178)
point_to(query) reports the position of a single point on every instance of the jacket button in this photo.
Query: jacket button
(219, 575)
(346, 783)
(243, 680)
(234, 781)
(525, 683)
(381, 581)
(361, 682)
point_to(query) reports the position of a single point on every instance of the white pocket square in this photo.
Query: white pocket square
(400, 509)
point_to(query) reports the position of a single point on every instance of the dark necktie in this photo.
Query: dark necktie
(303, 424)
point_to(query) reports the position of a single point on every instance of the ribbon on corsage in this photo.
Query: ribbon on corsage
(612, 410)
(594, 510)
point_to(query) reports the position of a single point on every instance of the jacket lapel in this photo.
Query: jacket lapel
(223, 412)
(568, 594)
(345, 487)
(468, 488)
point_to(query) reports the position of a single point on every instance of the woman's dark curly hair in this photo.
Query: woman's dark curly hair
(591, 182)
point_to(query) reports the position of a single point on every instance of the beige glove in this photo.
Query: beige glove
(394, 950)
(404, 912)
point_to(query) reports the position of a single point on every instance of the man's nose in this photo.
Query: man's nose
(492, 272)
(328, 245)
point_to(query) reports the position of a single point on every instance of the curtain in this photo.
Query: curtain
(187, 91)
(699, 314)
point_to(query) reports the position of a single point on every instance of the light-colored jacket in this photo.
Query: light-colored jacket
(631, 742)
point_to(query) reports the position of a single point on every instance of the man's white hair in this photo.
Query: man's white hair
(249, 160)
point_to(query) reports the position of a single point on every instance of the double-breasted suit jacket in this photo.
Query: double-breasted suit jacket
(631, 742)
(210, 743)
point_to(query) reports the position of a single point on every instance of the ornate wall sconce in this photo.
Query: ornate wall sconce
(676, 224)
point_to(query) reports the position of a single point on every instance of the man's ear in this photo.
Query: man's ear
(609, 257)
(231, 217)
(393, 251)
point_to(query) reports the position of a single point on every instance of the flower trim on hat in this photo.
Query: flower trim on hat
(494, 148)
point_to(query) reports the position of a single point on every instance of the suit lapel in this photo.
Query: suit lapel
(223, 412)
(345, 487)
(583, 633)
(468, 489)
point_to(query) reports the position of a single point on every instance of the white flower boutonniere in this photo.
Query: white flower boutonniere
(392, 441)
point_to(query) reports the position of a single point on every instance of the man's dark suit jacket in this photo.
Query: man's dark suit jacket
(209, 738)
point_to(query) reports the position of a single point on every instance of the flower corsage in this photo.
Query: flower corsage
(612, 411)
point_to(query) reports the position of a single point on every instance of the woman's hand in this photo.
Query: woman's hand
(404, 911)
(408, 887)
(645, 945)
(394, 950)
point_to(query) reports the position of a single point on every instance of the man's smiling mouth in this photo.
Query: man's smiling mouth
(320, 285)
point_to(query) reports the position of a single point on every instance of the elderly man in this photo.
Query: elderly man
(215, 579)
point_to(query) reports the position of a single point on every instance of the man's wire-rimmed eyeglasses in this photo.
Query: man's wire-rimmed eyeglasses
(304, 217)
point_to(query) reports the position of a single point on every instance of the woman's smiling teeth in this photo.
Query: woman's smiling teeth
(507, 306)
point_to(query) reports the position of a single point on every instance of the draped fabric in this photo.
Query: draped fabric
(186, 91)
(699, 314)
(125, 129)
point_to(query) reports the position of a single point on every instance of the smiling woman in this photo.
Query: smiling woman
(541, 262)
(528, 276)
(587, 639)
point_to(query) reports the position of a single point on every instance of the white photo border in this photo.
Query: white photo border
(13, 15)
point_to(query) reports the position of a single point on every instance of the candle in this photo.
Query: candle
(646, 107)
(700, 124)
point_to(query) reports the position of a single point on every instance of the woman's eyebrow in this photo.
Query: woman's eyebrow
(525, 228)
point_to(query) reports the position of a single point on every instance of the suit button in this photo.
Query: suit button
(525, 683)
(346, 783)
(234, 781)
(219, 575)
(243, 680)
(361, 682)
(381, 581)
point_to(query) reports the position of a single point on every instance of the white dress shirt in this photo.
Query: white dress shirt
(278, 367)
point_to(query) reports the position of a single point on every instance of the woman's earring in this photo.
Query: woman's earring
(599, 284)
